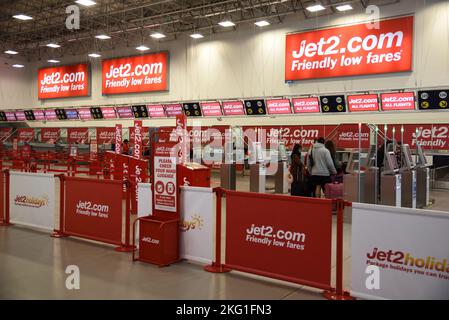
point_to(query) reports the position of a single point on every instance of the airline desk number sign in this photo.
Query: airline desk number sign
(350, 50)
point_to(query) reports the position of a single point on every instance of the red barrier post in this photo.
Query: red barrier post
(217, 266)
(127, 247)
(6, 221)
(339, 293)
(60, 233)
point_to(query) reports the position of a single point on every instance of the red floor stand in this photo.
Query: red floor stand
(60, 233)
(5, 221)
(339, 293)
(127, 247)
(217, 266)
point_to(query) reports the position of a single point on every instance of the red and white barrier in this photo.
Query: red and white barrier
(399, 253)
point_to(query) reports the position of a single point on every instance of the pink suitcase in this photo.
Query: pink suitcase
(333, 190)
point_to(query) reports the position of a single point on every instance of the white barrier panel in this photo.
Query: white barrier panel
(32, 199)
(144, 205)
(408, 249)
(197, 223)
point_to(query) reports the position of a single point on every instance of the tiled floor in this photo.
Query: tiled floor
(32, 266)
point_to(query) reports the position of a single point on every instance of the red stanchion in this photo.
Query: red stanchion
(126, 247)
(6, 222)
(60, 233)
(217, 266)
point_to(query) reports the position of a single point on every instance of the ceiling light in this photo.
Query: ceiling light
(18, 66)
(345, 7)
(94, 55)
(315, 8)
(103, 37)
(22, 17)
(196, 36)
(158, 35)
(86, 3)
(142, 48)
(11, 52)
(53, 61)
(53, 45)
(262, 23)
(226, 23)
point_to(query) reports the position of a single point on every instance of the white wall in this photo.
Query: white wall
(15, 85)
(250, 63)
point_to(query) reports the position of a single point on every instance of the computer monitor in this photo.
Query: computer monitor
(353, 162)
(407, 156)
(392, 163)
(282, 152)
(371, 157)
(422, 161)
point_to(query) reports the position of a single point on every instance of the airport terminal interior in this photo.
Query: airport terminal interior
(224, 150)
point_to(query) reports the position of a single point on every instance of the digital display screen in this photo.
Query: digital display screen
(211, 109)
(279, 106)
(108, 113)
(39, 115)
(60, 114)
(3, 116)
(29, 115)
(255, 107)
(398, 101)
(140, 111)
(363, 103)
(124, 112)
(71, 114)
(10, 116)
(192, 109)
(173, 110)
(20, 116)
(233, 108)
(84, 113)
(333, 104)
(96, 113)
(50, 114)
(156, 111)
(433, 100)
(306, 105)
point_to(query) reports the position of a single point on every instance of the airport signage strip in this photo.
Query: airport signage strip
(351, 50)
(369, 102)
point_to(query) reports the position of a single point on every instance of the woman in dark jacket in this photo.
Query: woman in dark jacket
(299, 184)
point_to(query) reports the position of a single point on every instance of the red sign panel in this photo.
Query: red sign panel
(25, 134)
(136, 74)
(77, 135)
(347, 136)
(294, 245)
(50, 135)
(279, 106)
(361, 103)
(145, 132)
(306, 105)
(5, 133)
(105, 135)
(398, 101)
(93, 214)
(138, 139)
(118, 138)
(350, 50)
(63, 82)
(211, 109)
(233, 108)
(156, 111)
(173, 110)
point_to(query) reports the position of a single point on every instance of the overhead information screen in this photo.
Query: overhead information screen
(20, 116)
(50, 115)
(192, 109)
(71, 114)
(363, 103)
(3, 116)
(398, 101)
(10, 116)
(306, 105)
(85, 114)
(124, 112)
(96, 113)
(60, 114)
(255, 107)
(156, 111)
(29, 115)
(433, 99)
(279, 106)
(140, 111)
(39, 115)
(333, 104)
(108, 113)
(233, 108)
(173, 110)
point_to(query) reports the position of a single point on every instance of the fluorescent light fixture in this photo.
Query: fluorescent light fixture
(344, 7)
(11, 52)
(94, 55)
(262, 23)
(18, 66)
(158, 35)
(142, 48)
(196, 36)
(226, 23)
(103, 37)
(86, 3)
(22, 17)
(315, 8)
(53, 45)
(53, 61)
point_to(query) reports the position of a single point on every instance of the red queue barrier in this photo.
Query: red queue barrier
(92, 209)
(4, 197)
(281, 237)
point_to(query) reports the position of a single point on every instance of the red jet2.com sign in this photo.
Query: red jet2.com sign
(350, 50)
(63, 82)
(136, 74)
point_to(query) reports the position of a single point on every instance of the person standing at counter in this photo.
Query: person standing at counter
(126, 147)
(321, 166)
